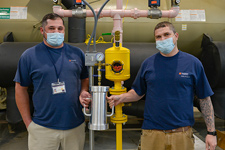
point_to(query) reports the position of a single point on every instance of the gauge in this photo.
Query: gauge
(177, 1)
(99, 56)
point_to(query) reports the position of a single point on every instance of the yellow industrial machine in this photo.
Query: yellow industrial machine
(118, 70)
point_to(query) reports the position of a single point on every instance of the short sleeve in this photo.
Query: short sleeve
(202, 87)
(139, 84)
(22, 74)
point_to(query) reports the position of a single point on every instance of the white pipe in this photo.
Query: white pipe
(117, 21)
(172, 13)
(61, 12)
(119, 4)
(133, 13)
(118, 14)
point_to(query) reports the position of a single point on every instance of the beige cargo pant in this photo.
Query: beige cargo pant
(158, 140)
(42, 138)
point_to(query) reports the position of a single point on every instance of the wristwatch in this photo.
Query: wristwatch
(212, 133)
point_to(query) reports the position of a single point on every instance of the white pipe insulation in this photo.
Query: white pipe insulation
(133, 13)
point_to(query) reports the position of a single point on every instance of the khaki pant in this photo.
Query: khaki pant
(42, 138)
(158, 140)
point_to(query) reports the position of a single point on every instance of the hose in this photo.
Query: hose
(95, 25)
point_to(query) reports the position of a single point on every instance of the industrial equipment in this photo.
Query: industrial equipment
(213, 60)
(98, 115)
(153, 3)
(117, 60)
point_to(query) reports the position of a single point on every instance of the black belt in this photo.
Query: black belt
(181, 129)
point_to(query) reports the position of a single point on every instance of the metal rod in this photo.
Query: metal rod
(91, 78)
(91, 83)
(91, 139)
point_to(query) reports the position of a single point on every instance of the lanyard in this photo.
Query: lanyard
(53, 62)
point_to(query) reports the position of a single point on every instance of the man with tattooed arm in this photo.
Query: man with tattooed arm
(169, 80)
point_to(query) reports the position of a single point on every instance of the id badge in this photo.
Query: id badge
(58, 87)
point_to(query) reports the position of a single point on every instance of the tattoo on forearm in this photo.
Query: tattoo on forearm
(208, 113)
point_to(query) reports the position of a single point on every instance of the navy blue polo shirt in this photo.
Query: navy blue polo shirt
(170, 84)
(57, 111)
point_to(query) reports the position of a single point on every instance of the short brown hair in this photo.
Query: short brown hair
(165, 24)
(52, 16)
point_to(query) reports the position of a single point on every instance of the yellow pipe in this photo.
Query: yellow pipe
(119, 118)
(119, 111)
(117, 85)
(119, 114)
(119, 142)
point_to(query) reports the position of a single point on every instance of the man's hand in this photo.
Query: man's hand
(85, 98)
(114, 100)
(210, 142)
(130, 96)
(208, 114)
(27, 123)
(23, 103)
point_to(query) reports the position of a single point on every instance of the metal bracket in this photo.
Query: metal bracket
(90, 59)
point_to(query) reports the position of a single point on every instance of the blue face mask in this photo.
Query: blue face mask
(55, 39)
(165, 46)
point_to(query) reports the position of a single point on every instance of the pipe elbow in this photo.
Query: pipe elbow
(61, 12)
(58, 10)
(172, 13)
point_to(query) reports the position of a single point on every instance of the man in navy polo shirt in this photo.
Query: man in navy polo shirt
(58, 74)
(169, 79)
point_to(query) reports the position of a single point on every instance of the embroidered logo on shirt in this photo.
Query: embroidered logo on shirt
(72, 61)
(184, 75)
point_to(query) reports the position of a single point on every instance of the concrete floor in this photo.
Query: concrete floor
(106, 140)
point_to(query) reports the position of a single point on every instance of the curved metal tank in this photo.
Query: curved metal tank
(213, 60)
(9, 56)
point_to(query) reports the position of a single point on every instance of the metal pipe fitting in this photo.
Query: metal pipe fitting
(79, 12)
(175, 2)
(57, 2)
(154, 13)
(63, 13)
(173, 12)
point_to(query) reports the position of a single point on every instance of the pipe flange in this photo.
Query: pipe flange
(135, 13)
(154, 13)
(79, 13)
